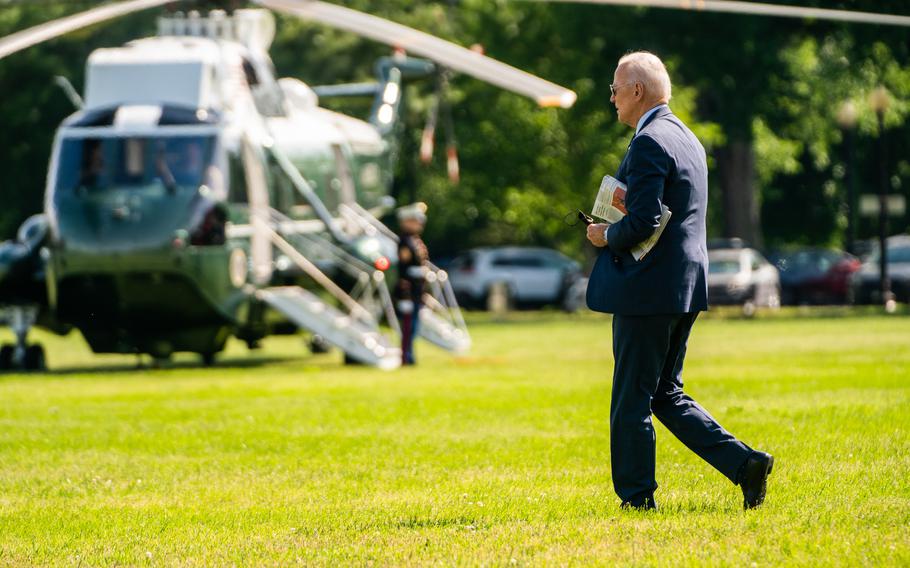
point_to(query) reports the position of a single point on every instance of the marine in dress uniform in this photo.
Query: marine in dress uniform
(412, 268)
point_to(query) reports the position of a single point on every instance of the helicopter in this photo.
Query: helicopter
(196, 196)
(256, 217)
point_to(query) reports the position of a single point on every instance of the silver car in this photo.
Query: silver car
(865, 287)
(742, 276)
(522, 275)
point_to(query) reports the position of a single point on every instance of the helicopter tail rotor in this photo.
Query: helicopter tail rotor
(452, 163)
(427, 140)
(449, 127)
(429, 132)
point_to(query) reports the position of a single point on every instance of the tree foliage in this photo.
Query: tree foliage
(769, 87)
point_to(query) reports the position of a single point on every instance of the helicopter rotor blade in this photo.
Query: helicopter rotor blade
(49, 30)
(448, 54)
(755, 8)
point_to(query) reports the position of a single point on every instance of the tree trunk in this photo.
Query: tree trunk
(736, 166)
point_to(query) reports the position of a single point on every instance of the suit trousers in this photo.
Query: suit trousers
(410, 327)
(647, 378)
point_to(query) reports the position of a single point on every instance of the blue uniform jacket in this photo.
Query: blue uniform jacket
(665, 163)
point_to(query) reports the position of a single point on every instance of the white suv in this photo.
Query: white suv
(527, 276)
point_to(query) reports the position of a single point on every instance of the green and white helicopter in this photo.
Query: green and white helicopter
(196, 196)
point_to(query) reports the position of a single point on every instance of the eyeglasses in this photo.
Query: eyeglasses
(613, 88)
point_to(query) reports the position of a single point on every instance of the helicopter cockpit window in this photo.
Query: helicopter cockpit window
(252, 78)
(100, 164)
(134, 157)
(267, 96)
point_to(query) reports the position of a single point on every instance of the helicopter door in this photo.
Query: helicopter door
(258, 194)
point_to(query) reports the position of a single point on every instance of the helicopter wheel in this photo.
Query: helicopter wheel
(6, 357)
(34, 358)
(208, 359)
(348, 360)
(318, 344)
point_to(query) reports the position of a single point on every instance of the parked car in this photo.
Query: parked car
(742, 276)
(865, 285)
(815, 275)
(525, 275)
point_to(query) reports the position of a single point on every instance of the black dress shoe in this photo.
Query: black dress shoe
(641, 504)
(753, 478)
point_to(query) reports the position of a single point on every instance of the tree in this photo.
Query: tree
(759, 92)
(33, 106)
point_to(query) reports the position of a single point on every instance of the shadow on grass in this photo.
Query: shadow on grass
(306, 363)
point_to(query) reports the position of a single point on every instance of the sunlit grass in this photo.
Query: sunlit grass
(497, 457)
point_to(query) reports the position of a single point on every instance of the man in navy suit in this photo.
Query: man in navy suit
(655, 301)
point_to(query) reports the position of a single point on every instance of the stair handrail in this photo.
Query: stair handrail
(372, 280)
(446, 304)
(355, 309)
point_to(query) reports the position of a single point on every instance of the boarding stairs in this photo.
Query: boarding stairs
(359, 339)
(369, 290)
(369, 301)
(441, 320)
(353, 324)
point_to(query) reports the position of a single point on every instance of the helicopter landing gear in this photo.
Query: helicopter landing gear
(34, 358)
(6, 357)
(350, 361)
(208, 359)
(318, 344)
(22, 355)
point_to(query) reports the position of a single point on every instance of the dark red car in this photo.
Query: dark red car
(815, 275)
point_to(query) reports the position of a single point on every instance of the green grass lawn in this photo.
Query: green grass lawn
(500, 457)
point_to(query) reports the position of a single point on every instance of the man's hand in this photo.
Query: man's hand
(597, 234)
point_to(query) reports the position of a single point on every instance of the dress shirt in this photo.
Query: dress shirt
(647, 115)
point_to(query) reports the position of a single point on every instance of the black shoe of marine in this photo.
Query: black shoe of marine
(754, 479)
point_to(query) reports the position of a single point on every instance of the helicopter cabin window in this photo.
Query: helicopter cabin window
(138, 163)
(237, 175)
(343, 184)
(282, 191)
(135, 163)
(333, 192)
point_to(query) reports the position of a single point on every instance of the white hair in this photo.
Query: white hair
(646, 68)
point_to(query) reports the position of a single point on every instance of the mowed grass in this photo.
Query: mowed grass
(500, 457)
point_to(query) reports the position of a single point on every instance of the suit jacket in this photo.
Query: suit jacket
(665, 163)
